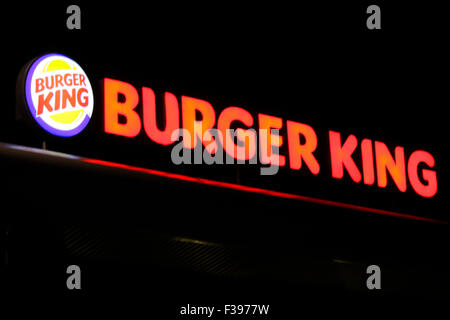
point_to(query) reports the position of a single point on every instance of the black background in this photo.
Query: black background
(313, 62)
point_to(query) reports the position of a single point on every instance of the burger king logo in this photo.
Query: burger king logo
(59, 95)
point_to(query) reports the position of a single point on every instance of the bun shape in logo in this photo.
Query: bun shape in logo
(59, 95)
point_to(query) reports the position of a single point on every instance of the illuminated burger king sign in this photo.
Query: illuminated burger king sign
(60, 99)
(59, 95)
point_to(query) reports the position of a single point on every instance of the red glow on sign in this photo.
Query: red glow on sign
(262, 191)
(198, 128)
(61, 97)
(430, 188)
(149, 116)
(298, 151)
(268, 139)
(114, 108)
(247, 137)
(385, 163)
(368, 162)
(341, 156)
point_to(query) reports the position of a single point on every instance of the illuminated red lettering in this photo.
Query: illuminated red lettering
(114, 108)
(82, 100)
(57, 99)
(367, 162)
(39, 85)
(430, 188)
(68, 79)
(341, 156)
(385, 162)
(171, 112)
(58, 80)
(196, 128)
(198, 119)
(67, 97)
(248, 137)
(268, 139)
(75, 79)
(82, 79)
(44, 102)
(298, 151)
(52, 83)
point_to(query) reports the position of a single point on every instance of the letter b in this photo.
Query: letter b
(125, 108)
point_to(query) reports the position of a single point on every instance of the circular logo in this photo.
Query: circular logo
(59, 95)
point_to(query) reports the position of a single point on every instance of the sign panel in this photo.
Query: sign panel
(377, 161)
(59, 95)
(150, 125)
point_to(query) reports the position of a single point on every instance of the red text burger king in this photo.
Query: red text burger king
(378, 162)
